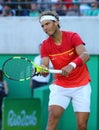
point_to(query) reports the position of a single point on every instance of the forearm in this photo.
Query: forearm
(85, 57)
(45, 62)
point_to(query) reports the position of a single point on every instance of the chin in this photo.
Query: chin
(49, 34)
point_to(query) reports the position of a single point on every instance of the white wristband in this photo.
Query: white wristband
(73, 64)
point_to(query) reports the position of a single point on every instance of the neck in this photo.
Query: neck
(57, 37)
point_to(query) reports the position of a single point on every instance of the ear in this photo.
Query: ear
(56, 23)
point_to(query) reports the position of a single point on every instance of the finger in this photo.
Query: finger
(66, 73)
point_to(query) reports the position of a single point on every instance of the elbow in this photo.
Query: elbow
(87, 56)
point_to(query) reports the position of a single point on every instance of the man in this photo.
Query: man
(67, 52)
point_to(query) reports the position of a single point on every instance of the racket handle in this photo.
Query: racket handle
(55, 71)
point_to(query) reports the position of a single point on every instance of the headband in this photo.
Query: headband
(47, 17)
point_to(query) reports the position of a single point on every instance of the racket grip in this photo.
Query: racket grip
(55, 71)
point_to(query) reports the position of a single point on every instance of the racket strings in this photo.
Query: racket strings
(18, 69)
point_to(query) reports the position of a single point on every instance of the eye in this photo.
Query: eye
(46, 24)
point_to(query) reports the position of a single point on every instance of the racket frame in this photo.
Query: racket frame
(38, 69)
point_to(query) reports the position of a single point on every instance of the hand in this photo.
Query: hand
(42, 72)
(67, 70)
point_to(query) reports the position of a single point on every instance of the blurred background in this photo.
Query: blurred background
(21, 34)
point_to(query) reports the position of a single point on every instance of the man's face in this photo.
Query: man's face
(49, 27)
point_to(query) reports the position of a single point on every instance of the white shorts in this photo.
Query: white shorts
(79, 96)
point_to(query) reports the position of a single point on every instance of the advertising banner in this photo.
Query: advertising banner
(21, 114)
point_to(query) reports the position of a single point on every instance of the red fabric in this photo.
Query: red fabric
(78, 61)
(68, 5)
(62, 55)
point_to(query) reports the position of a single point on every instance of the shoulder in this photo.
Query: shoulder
(69, 33)
(47, 43)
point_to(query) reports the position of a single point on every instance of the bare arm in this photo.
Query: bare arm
(45, 64)
(82, 53)
(5, 87)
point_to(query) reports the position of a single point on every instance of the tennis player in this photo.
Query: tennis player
(67, 52)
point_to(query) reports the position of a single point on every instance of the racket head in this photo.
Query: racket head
(18, 68)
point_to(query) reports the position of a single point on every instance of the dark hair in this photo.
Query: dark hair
(52, 13)
(1, 75)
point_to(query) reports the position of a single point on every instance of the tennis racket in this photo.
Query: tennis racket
(21, 69)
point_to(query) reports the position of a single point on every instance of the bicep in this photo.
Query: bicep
(80, 49)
